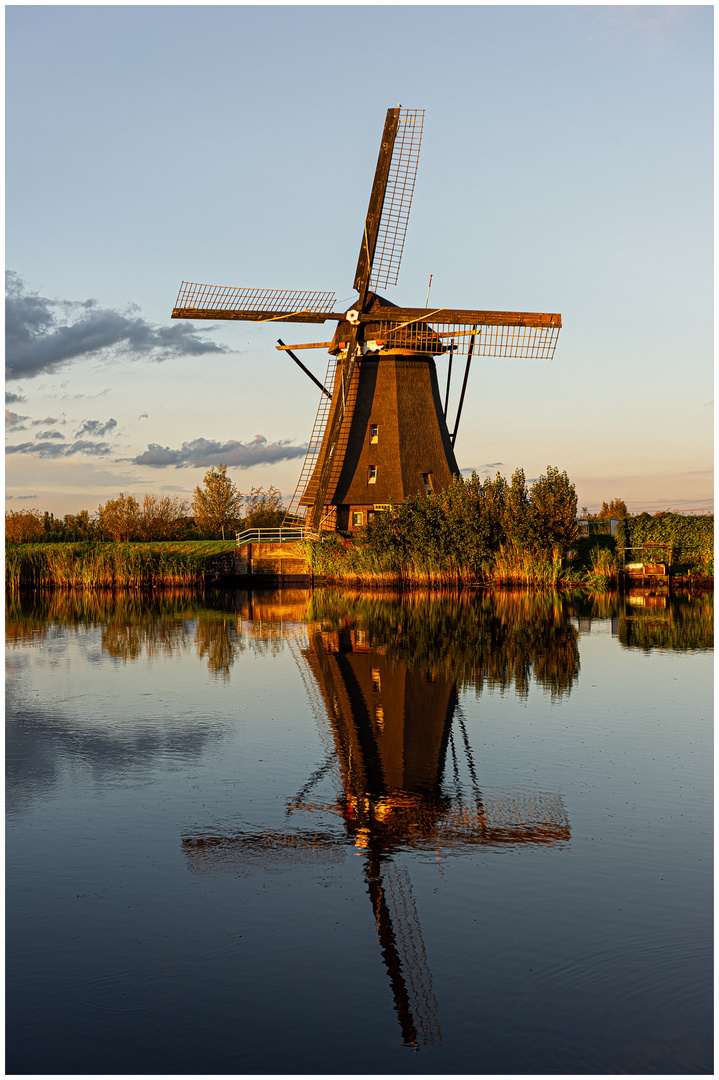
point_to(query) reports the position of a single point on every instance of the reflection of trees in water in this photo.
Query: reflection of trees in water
(678, 626)
(498, 640)
(644, 620)
(160, 637)
(218, 643)
(29, 616)
(156, 623)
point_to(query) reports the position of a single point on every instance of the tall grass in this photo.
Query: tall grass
(108, 566)
(520, 566)
(355, 563)
(603, 567)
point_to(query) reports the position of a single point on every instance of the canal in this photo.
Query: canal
(344, 832)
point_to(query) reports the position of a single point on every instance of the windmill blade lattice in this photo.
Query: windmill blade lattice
(515, 341)
(398, 199)
(196, 301)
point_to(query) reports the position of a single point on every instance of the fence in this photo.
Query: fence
(273, 536)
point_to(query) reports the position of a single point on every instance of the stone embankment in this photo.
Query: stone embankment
(264, 562)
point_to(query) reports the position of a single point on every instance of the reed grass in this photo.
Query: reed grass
(109, 565)
(358, 563)
(603, 568)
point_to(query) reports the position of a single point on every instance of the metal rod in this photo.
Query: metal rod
(449, 377)
(306, 370)
(464, 387)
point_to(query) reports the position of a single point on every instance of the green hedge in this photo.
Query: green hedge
(689, 541)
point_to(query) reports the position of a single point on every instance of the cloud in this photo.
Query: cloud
(56, 450)
(86, 397)
(482, 469)
(13, 399)
(49, 435)
(13, 420)
(96, 428)
(41, 334)
(205, 453)
(142, 416)
(19, 498)
(47, 420)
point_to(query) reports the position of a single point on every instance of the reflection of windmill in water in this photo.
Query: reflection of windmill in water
(393, 737)
(381, 431)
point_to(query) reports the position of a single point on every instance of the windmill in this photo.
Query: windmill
(381, 431)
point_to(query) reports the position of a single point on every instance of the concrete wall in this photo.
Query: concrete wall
(283, 559)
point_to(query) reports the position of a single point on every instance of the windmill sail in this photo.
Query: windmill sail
(511, 340)
(397, 200)
(197, 301)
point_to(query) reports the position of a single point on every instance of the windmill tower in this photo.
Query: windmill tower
(381, 431)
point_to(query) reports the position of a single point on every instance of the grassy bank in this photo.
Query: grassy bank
(109, 565)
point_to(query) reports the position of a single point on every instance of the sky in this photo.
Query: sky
(566, 166)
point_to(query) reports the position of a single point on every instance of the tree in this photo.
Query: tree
(217, 506)
(53, 528)
(518, 510)
(23, 526)
(162, 516)
(120, 518)
(616, 509)
(264, 509)
(79, 526)
(553, 513)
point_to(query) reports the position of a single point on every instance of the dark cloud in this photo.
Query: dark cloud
(57, 450)
(13, 399)
(49, 435)
(96, 428)
(19, 498)
(43, 334)
(206, 452)
(47, 420)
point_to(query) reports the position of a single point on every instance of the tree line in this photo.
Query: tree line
(216, 510)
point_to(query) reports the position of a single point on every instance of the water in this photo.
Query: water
(339, 833)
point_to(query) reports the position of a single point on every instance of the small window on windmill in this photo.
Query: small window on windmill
(372, 477)
(356, 519)
(374, 433)
(376, 683)
(427, 481)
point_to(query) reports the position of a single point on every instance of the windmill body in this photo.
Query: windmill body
(393, 441)
(381, 432)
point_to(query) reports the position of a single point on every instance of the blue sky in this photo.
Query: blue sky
(566, 166)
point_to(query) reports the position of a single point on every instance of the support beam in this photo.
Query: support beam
(464, 387)
(307, 371)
